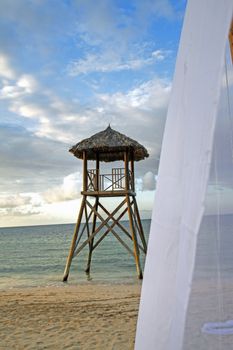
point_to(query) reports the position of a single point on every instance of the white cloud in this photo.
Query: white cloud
(159, 55)
(12, 201)
(17, 89)
(148, 183)
(28, 83)
(109, 62)
(6, 70)
(147, 96)
(141, 111)
(68, 190)
(19, 204)
(27, 110)
(145, 106)
(112, 38)
(24, 211)
(51, 115)
(11, 92)
(117, 26)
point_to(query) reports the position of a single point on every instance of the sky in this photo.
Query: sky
(68, 68)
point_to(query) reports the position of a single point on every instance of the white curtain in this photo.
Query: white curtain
(183, 175)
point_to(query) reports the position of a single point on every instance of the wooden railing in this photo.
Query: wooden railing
(115, 181)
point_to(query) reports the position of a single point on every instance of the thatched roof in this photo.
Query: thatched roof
(110, 145)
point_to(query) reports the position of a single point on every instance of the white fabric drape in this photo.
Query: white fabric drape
(183, 175)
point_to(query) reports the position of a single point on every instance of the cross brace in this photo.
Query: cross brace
(92, 230)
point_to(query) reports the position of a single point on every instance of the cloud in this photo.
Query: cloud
(57, 119)
(102, 23)
(113, 38)
(17, 89)
(50, 116)
(142, 112)
(159, 55)
(28, 83)
(148, 183)
(34, 25)
(28, 110)
(31, 162)
(10, 92)
(112, 23)
(12, 201)
(6, 70)
(68, 190)
(157, 9)
(18, 212)
(19, 205)
(37, 155)
(148, 96)
(112, 62)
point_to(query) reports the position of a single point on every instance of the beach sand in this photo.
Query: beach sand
(90, 316)
(69, 317)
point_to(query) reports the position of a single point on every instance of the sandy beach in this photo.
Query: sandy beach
(69, 317)
(102, 317)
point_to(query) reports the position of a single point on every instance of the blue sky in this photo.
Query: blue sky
(67, 70)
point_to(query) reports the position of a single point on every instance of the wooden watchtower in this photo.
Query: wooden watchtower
(108, 146)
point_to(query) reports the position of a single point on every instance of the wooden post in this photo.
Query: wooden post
(131, 224)
(75, 235)
(132, 171)
(126, 161)
(231, 40)
(96, 184)
(97, 171)
(141, 232)
(85, 184)
(92, 241)
(134, 238)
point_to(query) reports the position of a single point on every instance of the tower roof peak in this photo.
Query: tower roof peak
(110, 145)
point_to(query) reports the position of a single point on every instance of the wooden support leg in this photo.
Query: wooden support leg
(92, 241)
(134, 237)
(140, 228)
(110, 228)
(73, 244)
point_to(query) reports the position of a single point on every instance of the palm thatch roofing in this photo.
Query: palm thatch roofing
(110, 145)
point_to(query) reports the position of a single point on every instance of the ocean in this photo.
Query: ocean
(36, 255)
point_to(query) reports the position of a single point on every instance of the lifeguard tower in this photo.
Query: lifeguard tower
(108, 146)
